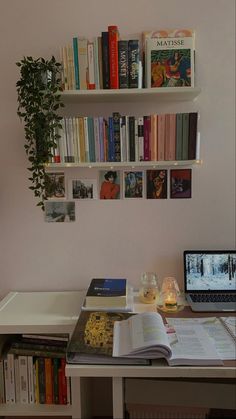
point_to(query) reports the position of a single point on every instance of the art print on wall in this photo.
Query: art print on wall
(109, 184)
(55, 185)
(56, 211)
(133, 184)
(181, 183)
(156, 184)
(84, 188)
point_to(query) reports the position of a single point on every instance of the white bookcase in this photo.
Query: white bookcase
(40, 312)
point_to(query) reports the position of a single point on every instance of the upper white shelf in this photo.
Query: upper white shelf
(167, 94)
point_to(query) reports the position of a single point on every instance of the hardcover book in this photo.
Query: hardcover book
(113, 37)
(92, 339)
(170, 60)
(107, 292)
(105, 60)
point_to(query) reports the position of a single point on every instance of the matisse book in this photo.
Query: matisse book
(107, 292)
(169, 58)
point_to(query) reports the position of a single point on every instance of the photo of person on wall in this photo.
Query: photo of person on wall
(110, 185)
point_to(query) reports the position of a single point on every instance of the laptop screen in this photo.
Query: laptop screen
(207, 270)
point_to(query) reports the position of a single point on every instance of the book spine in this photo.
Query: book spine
(105, 61)
(185, 135)
(91, 140)
(82, 139)
(91, 72)
(100, 61)
(56, 364)
(23, 373)
(116, 131)
(83, 62)
(76, 62)
(123, 139)
(153, 137)
(86, 139)
(2, 385)
(146, 135)
(161, 137)
(111, 146)
(11, 368)
(96, 63)
(62, 383)
(113, 56)
(140, 138)
(131, 138)
(123, 64)
(48, 381)
(41, 380)
(172, 150)
(179, 136)
(192, 138)
(36, 380)
(101, 139)
(133, 60)
(31, 379)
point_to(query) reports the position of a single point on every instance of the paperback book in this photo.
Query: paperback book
(169, 59)
(146, 336)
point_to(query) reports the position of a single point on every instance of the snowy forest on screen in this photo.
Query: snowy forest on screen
(216, 271)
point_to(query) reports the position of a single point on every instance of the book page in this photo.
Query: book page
(230, 323)
(223, 342)
(142, 335)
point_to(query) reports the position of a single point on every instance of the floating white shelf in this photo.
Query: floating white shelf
(111, 165)
(167, 94)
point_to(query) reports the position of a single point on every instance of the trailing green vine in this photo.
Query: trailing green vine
(39, 100)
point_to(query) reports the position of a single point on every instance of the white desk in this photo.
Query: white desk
(222, 389)
(199, 386)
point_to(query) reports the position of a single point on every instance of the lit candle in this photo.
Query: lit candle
(171, 301)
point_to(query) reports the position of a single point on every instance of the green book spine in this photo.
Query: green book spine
(76, 63)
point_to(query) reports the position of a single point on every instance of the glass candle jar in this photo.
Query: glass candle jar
(148, 287)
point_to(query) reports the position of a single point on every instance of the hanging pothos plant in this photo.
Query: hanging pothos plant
(39, 99)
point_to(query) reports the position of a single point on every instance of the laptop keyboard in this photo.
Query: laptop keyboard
(213, 298)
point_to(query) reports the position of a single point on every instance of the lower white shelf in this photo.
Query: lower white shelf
(18, 409)
(129, 164)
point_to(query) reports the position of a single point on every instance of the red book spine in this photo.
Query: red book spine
(113, 36)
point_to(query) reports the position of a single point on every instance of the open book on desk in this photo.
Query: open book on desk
(221, 331)
(144, 335)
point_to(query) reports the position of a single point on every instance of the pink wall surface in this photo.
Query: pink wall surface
(119, 238)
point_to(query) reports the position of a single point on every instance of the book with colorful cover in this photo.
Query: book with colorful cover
(92, 339)
(169, 58)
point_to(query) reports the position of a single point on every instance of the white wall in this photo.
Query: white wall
(117, 238)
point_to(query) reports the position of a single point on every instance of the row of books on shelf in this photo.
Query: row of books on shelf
(162, 137)
(110, 61)
(32, 371)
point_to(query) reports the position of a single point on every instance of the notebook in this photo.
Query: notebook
(210, 279)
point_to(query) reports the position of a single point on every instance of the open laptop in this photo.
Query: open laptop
(210, 279)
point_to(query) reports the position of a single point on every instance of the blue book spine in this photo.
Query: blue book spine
(76, 63)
